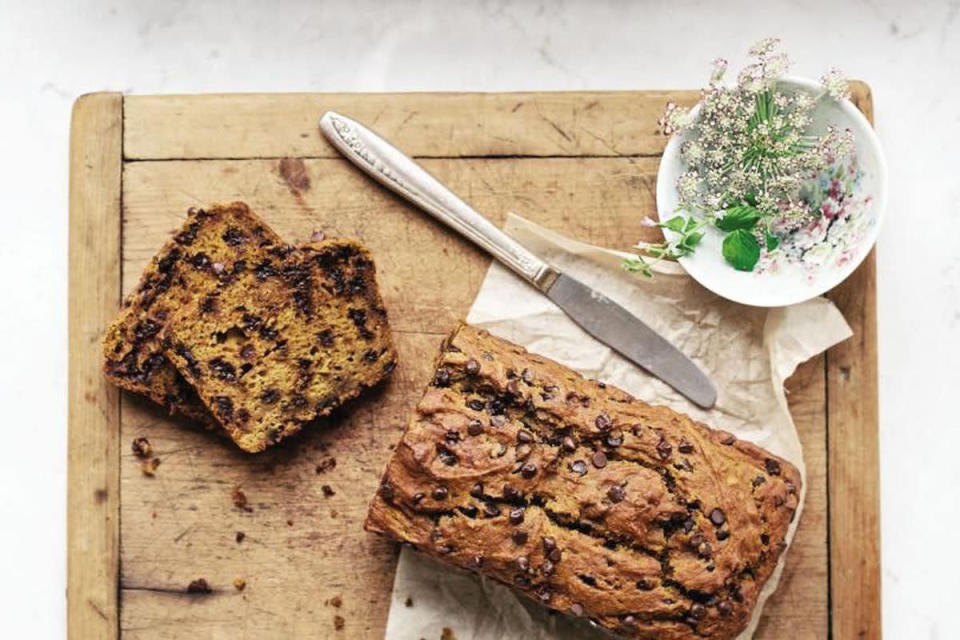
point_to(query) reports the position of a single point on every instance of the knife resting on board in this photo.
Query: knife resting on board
(599, 316)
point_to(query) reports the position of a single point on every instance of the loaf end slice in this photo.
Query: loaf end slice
(288, 341)
(583, 498)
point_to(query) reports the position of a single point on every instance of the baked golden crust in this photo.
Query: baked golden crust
(584, 498)
(284, 342)
(205, 251)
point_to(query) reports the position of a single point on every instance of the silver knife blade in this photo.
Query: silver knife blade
(598, 315)
(616, 327)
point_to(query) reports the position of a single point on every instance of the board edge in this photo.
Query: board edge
(853, 467)
(93, 462)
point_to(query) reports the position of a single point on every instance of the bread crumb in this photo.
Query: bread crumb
(338, 623)
(327, 490)
(149, 467)
(336, 601)
(141, 447)
(239, 584)
(240, 499)
(447, 634)
(199, 585)
(240, 536)
(408, 602)
(326, 465)
(289, 523)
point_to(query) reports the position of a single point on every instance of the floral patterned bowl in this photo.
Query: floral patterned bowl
(851, 197)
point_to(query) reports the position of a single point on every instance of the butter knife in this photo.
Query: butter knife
(599, 316)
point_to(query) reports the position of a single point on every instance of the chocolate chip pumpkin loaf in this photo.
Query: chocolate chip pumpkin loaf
(583, 498)
(211, 247)
(286, 341)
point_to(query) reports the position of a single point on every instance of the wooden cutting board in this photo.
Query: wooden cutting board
(583, 164)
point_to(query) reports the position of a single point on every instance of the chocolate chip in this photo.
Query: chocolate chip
(772, 466)
(523, 563)
(664, 448)
(548, 568)
(599, 459)
(477, 490)
(645, 584)
(727, 438)
(474, 427)
(520, 537)
(452, 436)
(418, 497)
(555, 555)
(696, 540)
(725, 608)
(528, 470)
(579, 467)
(614, 439)
(697, 610)
(723, 534)
(516, 516)
(200, 261)
(224, 407)
(576, 609)
(569, 445)
(757, 481)
(441, 378)
(509, 493)
(603, 422)
(440, 493)
(476, 404)
(764, 539)
(704, 549)
(524, 436)
(527, 377)
(549, 544)
(717, 517)
(637, 430)
(513, 389)
(685, 446)
(491, 510)
(472, 367)
(386, 492)
(141, 448)
(616, 493)
(199, 585)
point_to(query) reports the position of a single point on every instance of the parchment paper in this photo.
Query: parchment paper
(747, 351)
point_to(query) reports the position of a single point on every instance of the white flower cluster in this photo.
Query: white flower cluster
(749, 143)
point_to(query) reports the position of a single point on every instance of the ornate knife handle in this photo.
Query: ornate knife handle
(392, 168)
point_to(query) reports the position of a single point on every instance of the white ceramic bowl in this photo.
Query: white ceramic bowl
(787, 283)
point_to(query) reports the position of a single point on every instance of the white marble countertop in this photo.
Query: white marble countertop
(908, 52)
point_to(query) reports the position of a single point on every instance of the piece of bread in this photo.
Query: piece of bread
(285, 342)
(211, 247)
(583, 498)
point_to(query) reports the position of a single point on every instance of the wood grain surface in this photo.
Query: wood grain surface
(581, 163)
